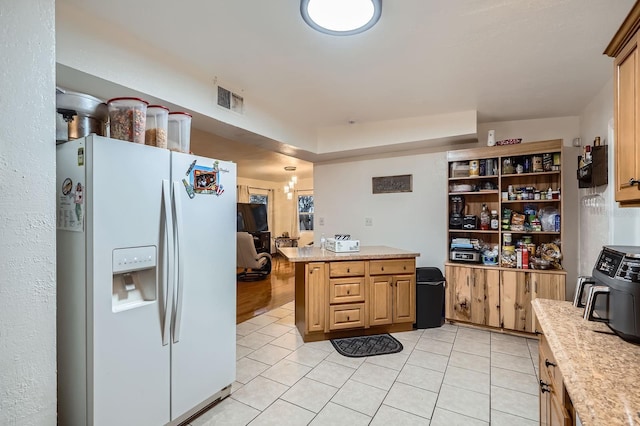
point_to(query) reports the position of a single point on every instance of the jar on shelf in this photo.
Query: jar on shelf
(495, 221)
(127, 119)
(507, 166)
(156, 126)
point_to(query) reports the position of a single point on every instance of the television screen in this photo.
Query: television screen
(252, 218)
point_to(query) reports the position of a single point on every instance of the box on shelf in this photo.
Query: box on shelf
(460, 169)
(342, 246)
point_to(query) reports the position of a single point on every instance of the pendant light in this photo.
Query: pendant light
(341, 17)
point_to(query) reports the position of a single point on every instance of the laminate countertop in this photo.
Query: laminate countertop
(316, 254)
(601, 371)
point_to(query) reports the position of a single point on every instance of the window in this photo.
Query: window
(305, 212)
(259, 199)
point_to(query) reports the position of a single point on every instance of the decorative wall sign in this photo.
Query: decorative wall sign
(391, 184)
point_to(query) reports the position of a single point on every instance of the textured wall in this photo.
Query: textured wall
(27, 213)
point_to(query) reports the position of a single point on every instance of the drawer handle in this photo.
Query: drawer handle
(347, 317)
(544, 387)
(348, 291)
(348, 270)
(382, 268)
(548, 363)
(538, 332)
(633, 181)
(404, 267)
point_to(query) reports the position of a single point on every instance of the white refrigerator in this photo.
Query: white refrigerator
(146, 289)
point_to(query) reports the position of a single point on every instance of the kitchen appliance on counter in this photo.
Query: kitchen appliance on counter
(614, 293)
(146, 283)
(457, 207)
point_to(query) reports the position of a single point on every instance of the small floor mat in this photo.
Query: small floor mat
(377, 344)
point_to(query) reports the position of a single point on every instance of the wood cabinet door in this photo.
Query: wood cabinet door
(515, 301)
(627, 121)
(404, 298)
(547, 286)
(315, 303)
(545, 397)
(380, 300)
(485, 297)
(458, 293)
(558, 415)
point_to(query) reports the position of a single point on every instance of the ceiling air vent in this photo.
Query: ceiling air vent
(230, 100)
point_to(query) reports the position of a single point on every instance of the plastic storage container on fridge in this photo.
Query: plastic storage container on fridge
(127, 119)
(179, 132)
(157, 126)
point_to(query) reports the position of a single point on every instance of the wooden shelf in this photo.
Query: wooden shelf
(530, 201)
(475, 231)
(532, 232)
(472, 177)
(553, 172)
(492, 191)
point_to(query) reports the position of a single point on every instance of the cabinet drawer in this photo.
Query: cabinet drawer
(346, 316)
(346, 290)
(346, 269)
(399, 266)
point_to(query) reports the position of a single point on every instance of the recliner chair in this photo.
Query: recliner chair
(255, 266)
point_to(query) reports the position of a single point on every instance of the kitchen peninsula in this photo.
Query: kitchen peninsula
(585, 369)
(371, 291)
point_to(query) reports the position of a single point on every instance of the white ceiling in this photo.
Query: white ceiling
(507, 59)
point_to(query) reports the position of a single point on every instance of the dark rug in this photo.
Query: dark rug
(377, 344)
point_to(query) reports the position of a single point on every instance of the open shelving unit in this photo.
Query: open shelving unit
(493, 198)
(493, 295)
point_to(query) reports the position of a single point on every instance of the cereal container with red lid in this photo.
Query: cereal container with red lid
(127, 119)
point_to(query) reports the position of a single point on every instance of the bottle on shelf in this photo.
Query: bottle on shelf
(485, 219)
(495, 222)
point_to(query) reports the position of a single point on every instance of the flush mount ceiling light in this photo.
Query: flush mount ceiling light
(341, 17)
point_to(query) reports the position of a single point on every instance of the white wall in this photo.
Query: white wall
(27, 214)
(413, 221)
(613, 225)
(417, 220)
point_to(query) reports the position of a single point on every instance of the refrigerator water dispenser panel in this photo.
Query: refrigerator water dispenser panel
(134, 278)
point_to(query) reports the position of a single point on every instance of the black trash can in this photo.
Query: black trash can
(429, 298)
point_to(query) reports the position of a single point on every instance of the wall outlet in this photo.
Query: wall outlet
(368, 221)
(321, 221)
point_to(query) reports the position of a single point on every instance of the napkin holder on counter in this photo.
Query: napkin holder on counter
(342, 246)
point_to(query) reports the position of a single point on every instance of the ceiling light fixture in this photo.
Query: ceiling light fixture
(292, 182)
(341, 17)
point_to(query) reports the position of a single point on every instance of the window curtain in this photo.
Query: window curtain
(271, 213)
(243, 193)
(295, 217)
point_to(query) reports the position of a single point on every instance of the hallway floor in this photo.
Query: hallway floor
(451, 375)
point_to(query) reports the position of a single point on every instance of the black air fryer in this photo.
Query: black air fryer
(615, 295)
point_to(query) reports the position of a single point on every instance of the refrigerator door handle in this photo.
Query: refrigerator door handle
(179, 256)
(167, 281)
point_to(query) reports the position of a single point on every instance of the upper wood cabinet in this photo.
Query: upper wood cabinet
(626, 113)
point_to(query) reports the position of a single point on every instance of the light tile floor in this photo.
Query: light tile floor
(446, 376)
